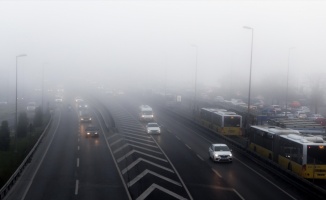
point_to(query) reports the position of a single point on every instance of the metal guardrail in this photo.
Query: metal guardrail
(12, 180)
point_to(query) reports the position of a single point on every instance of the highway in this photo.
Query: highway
(70, 166)
(124, 162)
(187, 149)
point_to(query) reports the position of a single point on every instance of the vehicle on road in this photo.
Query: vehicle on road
(82, 105)
(85, 116)
(302, 154)
(58, 99)
(78, 99)
(31, 106)
(92, 131)
(220, 153)
(221, 121)
(146, 113)
(153, 128)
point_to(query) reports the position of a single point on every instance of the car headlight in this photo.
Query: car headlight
(88, 133)
(159, 130)
(95, 133)
(216, 155)
(230, 155)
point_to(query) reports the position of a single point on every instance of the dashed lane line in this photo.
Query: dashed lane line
(76, 187)
(200, 157)
(216, 172)
(188, 146)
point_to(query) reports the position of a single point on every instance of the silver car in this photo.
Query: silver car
(153, 128)
(220, 153)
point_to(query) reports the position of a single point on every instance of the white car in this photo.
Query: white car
(220, 153)
(153, 128)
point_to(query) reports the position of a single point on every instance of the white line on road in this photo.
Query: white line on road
(188, 146)
(78, 139)
(241, 197)
(77, 162)
(177, 137)
(216, 172)
(78, 148)
(76, 188)
(200, 157)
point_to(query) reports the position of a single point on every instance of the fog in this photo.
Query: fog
(153, 44)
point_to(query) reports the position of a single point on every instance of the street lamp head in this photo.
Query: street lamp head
(21, 55)
(247, 27)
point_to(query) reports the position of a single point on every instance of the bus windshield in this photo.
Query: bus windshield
(231, 121)
(316, 154)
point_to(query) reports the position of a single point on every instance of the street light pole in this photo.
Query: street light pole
(195, 103)
(16, 114)
(287, 83)
(252, 41)
(43, 89)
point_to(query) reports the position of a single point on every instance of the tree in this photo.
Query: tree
(22, 125)
(4, 136)
(38, 118)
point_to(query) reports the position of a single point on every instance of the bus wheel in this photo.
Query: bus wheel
(290, 166)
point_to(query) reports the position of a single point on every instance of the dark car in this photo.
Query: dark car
(92, 131)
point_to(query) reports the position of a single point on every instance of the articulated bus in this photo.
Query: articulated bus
(299, 153)
(221, 121)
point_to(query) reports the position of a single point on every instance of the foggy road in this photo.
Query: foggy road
(243, 75)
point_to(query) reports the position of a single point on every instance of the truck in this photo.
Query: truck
(146, 113)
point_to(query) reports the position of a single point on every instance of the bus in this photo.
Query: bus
(302, 154)
(221, 121)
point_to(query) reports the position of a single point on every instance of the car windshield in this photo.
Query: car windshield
(221, 148)
(91, 128)
(152, 125)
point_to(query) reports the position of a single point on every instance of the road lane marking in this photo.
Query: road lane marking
(200, 157)
(77, 162)
(133, 164)
(154, 186)
(241, 197)
(188, 146)
(78, 148)
(216, 172)
(128, 144)
(78, 139)
(177, 137)
(115, 162)
(76, 188)
(135, 151)
(265, 179)
(147, 171)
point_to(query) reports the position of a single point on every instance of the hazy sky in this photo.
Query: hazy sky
(125, 40)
